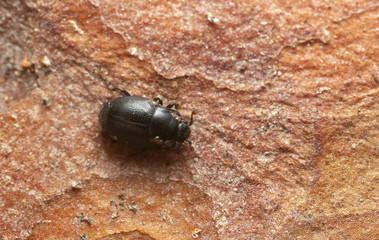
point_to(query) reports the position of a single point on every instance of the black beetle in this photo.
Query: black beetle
(143, 123)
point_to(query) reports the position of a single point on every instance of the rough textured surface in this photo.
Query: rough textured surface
(127, 205)
(286, 134)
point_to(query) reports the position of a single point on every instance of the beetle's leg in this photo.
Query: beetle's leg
(177, 146)
(172, 105)
(169, 145)
(157, 99)
(189, 143)
(122, 91)
(172, 145)
(157, 141)
(193, 112)
(108, 137)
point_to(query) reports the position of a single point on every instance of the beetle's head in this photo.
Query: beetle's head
(183, 131)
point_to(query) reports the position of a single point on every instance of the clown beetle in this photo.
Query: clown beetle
(143, 123)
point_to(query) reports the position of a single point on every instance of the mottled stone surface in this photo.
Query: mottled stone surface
(285, 138)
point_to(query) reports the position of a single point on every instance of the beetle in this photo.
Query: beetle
(143, 123)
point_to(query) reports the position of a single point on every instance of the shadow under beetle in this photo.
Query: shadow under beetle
(143, 123)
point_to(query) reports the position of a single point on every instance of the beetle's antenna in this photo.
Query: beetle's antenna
(193, 112)
(122, 91)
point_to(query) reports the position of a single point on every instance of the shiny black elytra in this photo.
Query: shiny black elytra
(143, 123)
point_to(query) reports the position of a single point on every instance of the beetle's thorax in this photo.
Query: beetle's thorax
(164, 123)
